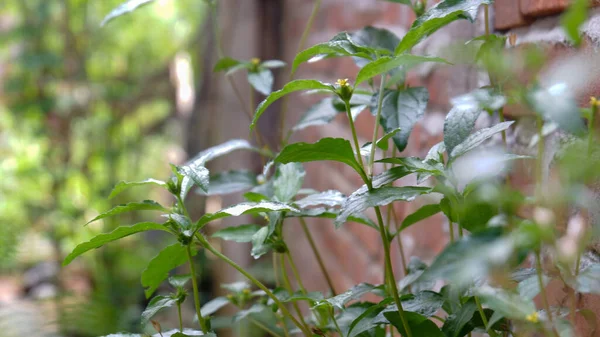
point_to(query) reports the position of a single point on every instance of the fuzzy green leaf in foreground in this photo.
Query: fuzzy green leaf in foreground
(226, 63)
(572, 20)
(242, 233)
(156, 304)
(386, 64)
(478, 138)
(335, 149)
(124, 8)
(359, 202)
(508, 304)
(437, 17)
(120, 232)
(146, 205)
(292, 86)
(159, 267)
(123, 185)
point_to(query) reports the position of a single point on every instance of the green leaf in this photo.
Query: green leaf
(230, 182)
(156, 304)
(227, 63)
(146, 205)
(458, 125)
(588, 280)
(573, 18)
(179, 281)
(288, 181)
(261, 80)
(483, 99)
(329, 198)
(259, 245)
(422, 213)
(159, 267)
(385, 64)
(415, 165)
(425, 303)
(507, 304)
(478, 138)
(359, 202)
(271, 64)
(213, 306)
(354, 293)
(319, 114)
(402, 109)
(322, 212)
(457, 325)
(339, 45)
(404, 2)
(529, 288)
(292, 86)
(123, 185)
(198, 174)
(365, 321)
(564, 328)
(246, 208)
(557, 103)
(124, 8)
(437, 17)
(382, 142)
(335, 149)
(284, 296)
(419, 324)
(242, 233)
(213, 152)
(377, 39)
(120, 232)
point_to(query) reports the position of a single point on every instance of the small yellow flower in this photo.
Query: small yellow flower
(594, 102)
(342, 82)
(533, 317)
(255, 61)
(246, 291)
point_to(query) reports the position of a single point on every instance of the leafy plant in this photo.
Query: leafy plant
(467, 172)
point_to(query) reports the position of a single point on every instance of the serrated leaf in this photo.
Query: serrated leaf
(213, 306)
(378, 39)
(119, 233)
(124, 8)
(457, 325)
(335, 149)
(354, 293)
(437, 17)
(339, 45)
(226, 64)
(123, 185)
(319, 114)
(402, 109)
(247, 208)
(230, 182)
(292, 86)
(329, 198)
(458, 125)
(478, 138)
(386, 64)
(359, 202)
(508, 304)
(159, 267)
(242, 233)
(588, 280)
(145, 205)
(156, 304)
(422, 213)
(288, 181)
(419, 324)
(261, 80)
(198, 174)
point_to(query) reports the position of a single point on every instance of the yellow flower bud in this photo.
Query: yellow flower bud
(533, 317)
(342, 82)
(255, 61)
(594, 102)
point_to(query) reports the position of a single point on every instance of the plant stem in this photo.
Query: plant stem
(201, 319)
(540, 277)
(354, 136)
(179, 315)
(315, 250)
(399, 239)
(264, 327)
(376, 127)
(337, 327)
(390, 271)
(256, 282)
(301, 44)
(275, 269)
(539, 169)
(451, 229)
(484, 319)
(295, 272)
(288, 286)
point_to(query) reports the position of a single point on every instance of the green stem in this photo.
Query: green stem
(337, 327)
(295, 272)
(354, 135)
(275, 269)
(451, 228)
(376, 127)
(301, 44)
(264, 327)
(315, 250)
(399, 239)
(201, 319)
(180, 318)
(545, 303)
(288, 286)
(256, 282)
(390, 271)
(484, 319)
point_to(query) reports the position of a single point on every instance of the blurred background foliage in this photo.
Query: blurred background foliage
(83, 107)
